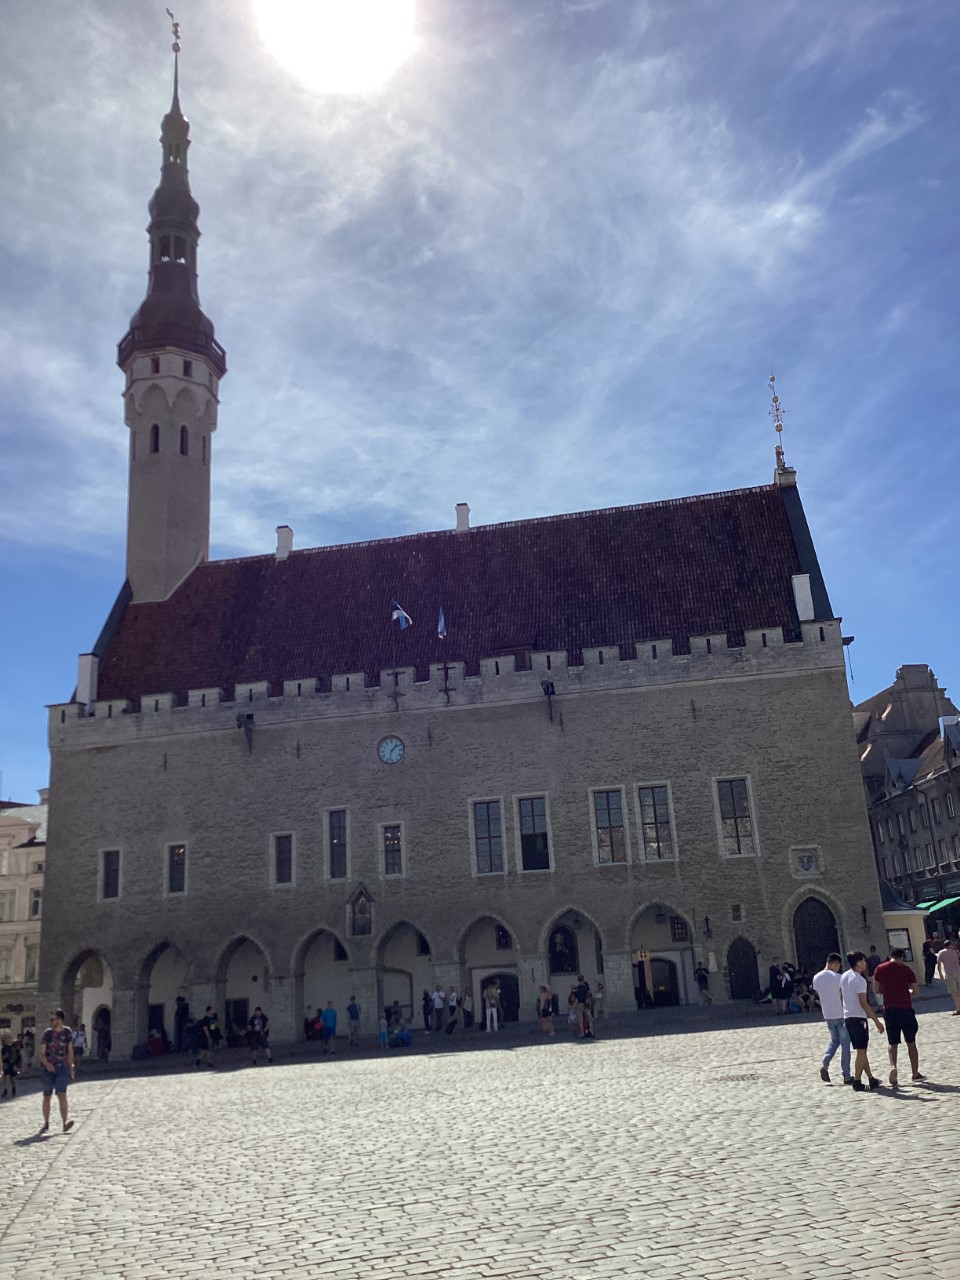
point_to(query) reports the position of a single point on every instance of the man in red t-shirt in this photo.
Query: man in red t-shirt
(897, 983)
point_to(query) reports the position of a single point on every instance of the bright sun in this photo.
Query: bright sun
(338, 46)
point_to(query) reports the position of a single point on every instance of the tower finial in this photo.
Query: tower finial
(776, 412)
(175, 26)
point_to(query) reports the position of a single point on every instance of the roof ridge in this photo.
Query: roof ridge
(688, 500)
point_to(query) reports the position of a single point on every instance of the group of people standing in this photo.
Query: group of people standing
(584, 1008)
(446, 1010)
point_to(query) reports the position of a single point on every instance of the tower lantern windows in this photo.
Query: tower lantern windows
(155, 438)
(188, 368)
(154, 364)
(203, 449)
(164, 248)
(184, 441)
(180, 248)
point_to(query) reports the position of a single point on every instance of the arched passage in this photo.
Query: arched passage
(163, 978)
(404, 968)
(243, 982)
(661, 944)
(743, 974)
(86, 995)
(488, 952)
(815, 934)
(573, 946)
(321, 972)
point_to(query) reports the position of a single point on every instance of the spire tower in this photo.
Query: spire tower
(172, 364)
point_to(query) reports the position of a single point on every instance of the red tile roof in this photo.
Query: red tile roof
(719, 563)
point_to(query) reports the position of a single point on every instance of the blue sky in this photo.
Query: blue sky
(547, 266)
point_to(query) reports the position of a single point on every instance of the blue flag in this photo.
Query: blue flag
(441, 626)
(401, 616)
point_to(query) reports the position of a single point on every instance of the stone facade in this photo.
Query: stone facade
(23, 833)
(142, 781)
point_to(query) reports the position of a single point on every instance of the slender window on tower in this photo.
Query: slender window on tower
(188, 368)
(203, 449)
(184, 441)
(164, 248)
(180, 248)
(154, 364)
(155, 438)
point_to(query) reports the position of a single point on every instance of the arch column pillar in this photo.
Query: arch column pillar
(280, 1007)
(618, 992)
(366, 988)
(123, 1022)
(533, 974)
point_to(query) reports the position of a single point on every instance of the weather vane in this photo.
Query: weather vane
(176, 32)
(776, 412)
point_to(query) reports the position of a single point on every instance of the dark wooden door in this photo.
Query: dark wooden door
(814, 934)
(742, 972)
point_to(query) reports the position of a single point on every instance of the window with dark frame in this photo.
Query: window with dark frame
(678, 929)
(736, 824)
(337, 828)
(924, 820)
(912, 819)
(655, 828)
(534, 844)
(188, 368)
(154, 364)
(488, 834)
(155, 438)
(176, 868)
(36, 904)
(880, 835)
(111, 873)
(392, 850)
(935, 807)
(283, 859)
(951, 812)
(184, 441)
(611, 838)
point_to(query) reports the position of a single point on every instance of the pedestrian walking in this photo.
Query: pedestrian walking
(453, 1006)
(79, 1041)
(206, 1029)
(929, 962)
(856, 1014)
(258, 1033)
(948, 968)
(427, 1006)
(702, 974)
(181, 1016)
(28, 1046)
(353, 1023)
(11, 1060)
(826, 984)
(466, 1007)
(385, 1031)
(491, 1002)
(329, 1019)
(545, 1011)
(56, 1068)
(598, 996)
(784, 990)
(897, 984)
(439, 1004)
(583, 1001)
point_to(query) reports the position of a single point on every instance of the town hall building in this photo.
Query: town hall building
(630, 751)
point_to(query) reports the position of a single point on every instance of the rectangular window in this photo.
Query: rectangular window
(897, 867)
(912, 816)
(283, 859)
(8, 904)
(951, 812)
(924, 820)
(337, 832)
(900, 823)
(890, 828)
(944, 856)
(392, 850)
(656, 829)
(176, 868)
(36, 904)
(678, 929)
(31, 962)
(931, 856)
(736, 823)
(188, 368)
(935, 806)
(534, 843)
(6, 964)
(880, 833)
(488, 837)
(956, 848)
(887, 867)
(611, 838)
(110, 873)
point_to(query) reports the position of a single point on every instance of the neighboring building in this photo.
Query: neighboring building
(631, 750)
(912, 730)
(23, 837)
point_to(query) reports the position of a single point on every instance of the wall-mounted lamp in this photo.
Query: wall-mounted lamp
(549, 690)
(245, 722)
(706, 927)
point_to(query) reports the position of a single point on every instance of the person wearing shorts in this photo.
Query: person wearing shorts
(56, 1068)
(856, 1014)
(897, 984)
(258, 1035)
(948, 968)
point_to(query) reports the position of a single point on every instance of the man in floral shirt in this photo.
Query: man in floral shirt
(56, 1067)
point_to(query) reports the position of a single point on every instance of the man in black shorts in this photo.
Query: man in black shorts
(897, 984)
(257, 1035)
(856, 1014)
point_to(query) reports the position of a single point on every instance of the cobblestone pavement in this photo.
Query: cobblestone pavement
(708, 1155)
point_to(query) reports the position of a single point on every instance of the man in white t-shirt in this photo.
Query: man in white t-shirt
(856, 1014)
(827, 986)
(948, 968)
(439, 1004)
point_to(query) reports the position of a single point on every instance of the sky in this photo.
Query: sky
(546, 265)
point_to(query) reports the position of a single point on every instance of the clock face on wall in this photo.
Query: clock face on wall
(390, 750)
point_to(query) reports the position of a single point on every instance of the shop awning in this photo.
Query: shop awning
(924, 906)
(942, 904)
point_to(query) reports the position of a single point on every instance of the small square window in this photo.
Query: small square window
(154, 364)
(679, 931)
(736, 913)
(188, 368)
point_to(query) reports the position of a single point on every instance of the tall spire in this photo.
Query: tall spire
(170, 315)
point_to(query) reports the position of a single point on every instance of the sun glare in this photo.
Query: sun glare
(338, 46)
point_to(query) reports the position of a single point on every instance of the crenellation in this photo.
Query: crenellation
(204, 697)
(306, 687)
(254, 691)
(351, 682)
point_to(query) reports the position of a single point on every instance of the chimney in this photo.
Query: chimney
(803, 597)
(284, 541)
(87, 672)
(43, 792)
(463, 517)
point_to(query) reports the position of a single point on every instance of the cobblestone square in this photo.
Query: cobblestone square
(713, 1153)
